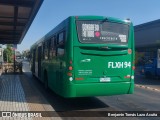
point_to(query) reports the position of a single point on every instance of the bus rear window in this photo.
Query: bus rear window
(102, 32)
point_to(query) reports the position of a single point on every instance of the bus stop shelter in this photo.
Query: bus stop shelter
(16, 16)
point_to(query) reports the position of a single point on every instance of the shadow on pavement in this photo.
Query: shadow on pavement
(65, 104)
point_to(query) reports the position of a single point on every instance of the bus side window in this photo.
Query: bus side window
(46, 50)
(60, 44)
(43, 51)
(49, 48)
(52, 50)
(36, 55)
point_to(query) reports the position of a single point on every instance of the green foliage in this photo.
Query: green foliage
(26, 54)
(8, 54)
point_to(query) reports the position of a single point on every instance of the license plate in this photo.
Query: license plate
(105, 79)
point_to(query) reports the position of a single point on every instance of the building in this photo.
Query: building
(147, 39)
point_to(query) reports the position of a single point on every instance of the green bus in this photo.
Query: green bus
(86, 56)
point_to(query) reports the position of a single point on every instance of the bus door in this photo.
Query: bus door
(39, 60)
(103, 54)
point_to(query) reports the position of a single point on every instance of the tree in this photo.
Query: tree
(26, 54)
(8, 54)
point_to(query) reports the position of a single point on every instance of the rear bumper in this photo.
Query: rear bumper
(99, 89)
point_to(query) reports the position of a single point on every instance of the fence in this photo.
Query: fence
(9, 67)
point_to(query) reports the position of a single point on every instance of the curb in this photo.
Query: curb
(146, 87)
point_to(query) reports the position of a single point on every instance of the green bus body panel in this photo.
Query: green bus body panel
(96, 71)
(97, 67)
(98, 89)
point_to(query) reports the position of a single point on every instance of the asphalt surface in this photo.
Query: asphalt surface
(143, 99)
(152, 83)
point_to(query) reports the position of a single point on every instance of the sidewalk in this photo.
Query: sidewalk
(12, 94)
(16, 94)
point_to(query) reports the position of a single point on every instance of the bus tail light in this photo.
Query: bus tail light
(70, 61)
(70, 68)
(128, 76)
(133, 67)
(79, 78)
(69, 74)
(129, 51)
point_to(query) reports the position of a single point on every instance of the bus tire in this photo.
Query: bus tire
(45, 80)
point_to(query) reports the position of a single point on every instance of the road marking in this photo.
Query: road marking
(146, 87)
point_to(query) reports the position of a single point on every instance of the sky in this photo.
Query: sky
(52, 12)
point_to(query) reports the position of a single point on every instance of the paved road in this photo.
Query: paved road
(26, 66)
(142, 100)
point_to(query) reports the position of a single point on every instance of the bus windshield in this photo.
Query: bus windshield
(102, 32)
